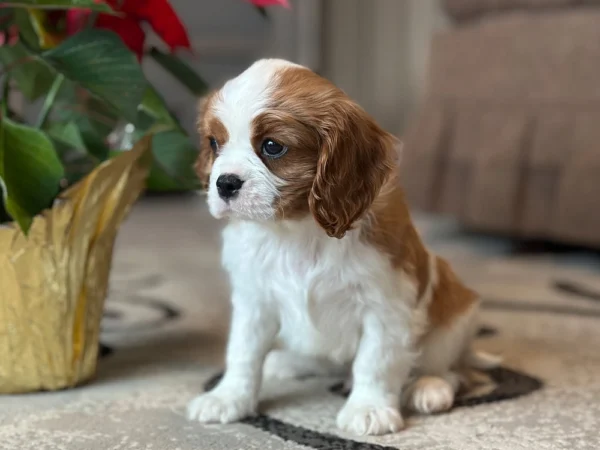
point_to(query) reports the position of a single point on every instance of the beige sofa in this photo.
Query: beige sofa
(508, 138)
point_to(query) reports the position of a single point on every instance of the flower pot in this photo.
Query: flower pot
(54, 281)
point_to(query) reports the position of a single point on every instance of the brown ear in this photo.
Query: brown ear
(356, 158)
(205, 160)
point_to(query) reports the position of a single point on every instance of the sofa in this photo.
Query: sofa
(507, 139)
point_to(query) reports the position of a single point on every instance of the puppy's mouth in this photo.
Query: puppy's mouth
(244, 207)
(220, 208)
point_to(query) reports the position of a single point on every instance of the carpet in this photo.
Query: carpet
(163, 337)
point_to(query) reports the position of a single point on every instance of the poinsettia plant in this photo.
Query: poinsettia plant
(80, 59)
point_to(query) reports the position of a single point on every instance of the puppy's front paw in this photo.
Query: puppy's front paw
(364, 419)
(220, 408)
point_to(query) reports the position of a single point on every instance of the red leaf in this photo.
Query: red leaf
(165, 22)
(127, 28)
(160, 15)
(263, 3)
(76, 20)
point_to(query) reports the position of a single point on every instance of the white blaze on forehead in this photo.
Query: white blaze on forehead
(237, 104)
(246, 96)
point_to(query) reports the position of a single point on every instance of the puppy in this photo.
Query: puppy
(323, 258)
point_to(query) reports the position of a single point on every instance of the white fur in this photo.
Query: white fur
(282, 364)
(239, 102)
(295, 288)
(314, 295)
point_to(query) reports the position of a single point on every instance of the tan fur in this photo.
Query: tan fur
(341, 156)
(208, 127)
(390, 229)
(451, 298)
(298, 167)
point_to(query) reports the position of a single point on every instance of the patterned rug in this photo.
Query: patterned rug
(163, 340)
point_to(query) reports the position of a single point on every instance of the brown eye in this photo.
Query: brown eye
(273, 149)
(213, 144)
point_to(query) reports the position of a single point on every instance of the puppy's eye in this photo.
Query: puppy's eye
(273, 149)
(213, 144)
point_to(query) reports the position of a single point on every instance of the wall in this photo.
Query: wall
(377, 51)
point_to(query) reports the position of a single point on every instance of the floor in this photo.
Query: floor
(163, 339)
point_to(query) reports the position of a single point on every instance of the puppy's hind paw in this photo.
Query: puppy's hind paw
(431, 395)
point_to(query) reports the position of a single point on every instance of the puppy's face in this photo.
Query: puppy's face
(280, 142)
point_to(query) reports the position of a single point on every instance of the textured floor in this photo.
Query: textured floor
(163, 338)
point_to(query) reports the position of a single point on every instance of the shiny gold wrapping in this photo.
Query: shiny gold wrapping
(53, 282)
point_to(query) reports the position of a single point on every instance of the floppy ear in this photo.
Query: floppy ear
(205, 160)
(355, 160)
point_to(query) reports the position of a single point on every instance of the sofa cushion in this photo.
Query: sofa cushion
(507, 139)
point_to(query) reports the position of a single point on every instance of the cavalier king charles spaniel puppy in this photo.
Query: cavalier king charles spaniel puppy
(324, 261)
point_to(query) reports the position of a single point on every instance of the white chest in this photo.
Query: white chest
(318, 285)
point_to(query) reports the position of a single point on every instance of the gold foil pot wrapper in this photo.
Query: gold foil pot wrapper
(53, 282)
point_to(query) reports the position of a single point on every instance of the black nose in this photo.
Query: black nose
(228, 185)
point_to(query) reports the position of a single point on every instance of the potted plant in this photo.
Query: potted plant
(67, 182)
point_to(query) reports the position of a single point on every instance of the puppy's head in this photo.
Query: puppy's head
(280, 142)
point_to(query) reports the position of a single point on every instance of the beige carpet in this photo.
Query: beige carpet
(168, 310)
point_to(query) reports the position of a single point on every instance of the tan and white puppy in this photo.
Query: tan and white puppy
(323, 258)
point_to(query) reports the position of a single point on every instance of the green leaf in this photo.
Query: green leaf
(75, 103)
(26, 30)
(67, 133)
(6, 16)
(159, 181)
(93, 119)
(181, 71)
(154, 106)
(30, 171)
(57, 4)
(174, 157)
(33, 77)
(100, 62)
(93, 138)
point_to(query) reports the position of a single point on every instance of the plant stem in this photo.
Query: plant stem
(5, 95)
(49, 101)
